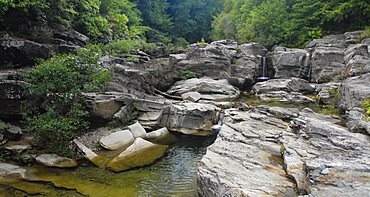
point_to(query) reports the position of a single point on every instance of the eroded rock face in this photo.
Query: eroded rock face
(291, 62)
(189, 118)
(245, 159)
(288, 85)
(257, 154)
(208, 88)
(354, 91)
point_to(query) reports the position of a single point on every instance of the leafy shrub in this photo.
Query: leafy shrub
(187, 74)
(60, 81)
(366, 105)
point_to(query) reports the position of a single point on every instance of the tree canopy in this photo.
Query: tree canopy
(288, 22)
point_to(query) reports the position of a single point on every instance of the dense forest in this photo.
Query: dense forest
(270, 22)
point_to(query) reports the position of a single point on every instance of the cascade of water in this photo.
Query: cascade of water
(264, 70)
(309, 67)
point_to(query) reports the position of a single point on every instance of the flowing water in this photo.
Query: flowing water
(172, 175)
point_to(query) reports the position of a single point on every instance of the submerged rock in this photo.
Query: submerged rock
(54, 160)
(140, 153)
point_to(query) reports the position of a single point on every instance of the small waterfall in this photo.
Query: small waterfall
(264, 70)
(309, 65)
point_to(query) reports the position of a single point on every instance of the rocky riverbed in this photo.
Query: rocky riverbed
(260, 150)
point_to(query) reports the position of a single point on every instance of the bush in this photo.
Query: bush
(366, 106)
(60, 81)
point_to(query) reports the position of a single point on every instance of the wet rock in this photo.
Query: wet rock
(288, 85)
(54, 160)
(209, 89)
(140, 153)
(189, 118)
(117, 140)
(10, 169)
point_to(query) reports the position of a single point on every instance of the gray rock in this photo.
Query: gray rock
(10, 169)
(117, 140)
(288, 85)
(54, 160)
(191, 96)
(18, 148)
(189, 118)
(291, 63)
(137, 130)
(209, 89)
(282, 96)
(354, 91)
(244, 160)
(327, 62)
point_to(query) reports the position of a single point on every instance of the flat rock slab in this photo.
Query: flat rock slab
(137, 130)
(117, 140)
(54, 160)
(140, 153)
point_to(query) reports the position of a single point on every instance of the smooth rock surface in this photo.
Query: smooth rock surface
(137, 130)
(54, 160)
(117, 140)
(140, 153)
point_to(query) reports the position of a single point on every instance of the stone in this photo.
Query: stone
(117, 140)
(54, 160)
(291, 63)
(282, 96)
(12, 132)
(191, 96)
(209, 89)
(354, 91)
(18, 148)
(245, 159)
(140, 153)
(10, 169)
(160, 133)
(137, 130)
(327, 62)
(289, 85)
(189, 118)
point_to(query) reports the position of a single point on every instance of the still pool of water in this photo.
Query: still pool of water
(172, 175)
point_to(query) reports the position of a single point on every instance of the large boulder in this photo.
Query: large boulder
(327, 62)
(354, 91)
(256, 154)
(291, 62)
(189, 118)
(140, 153)
(289, 85)
(117, 140)
(245, 159)
(208, 88)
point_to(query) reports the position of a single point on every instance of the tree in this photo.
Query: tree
(60, 81)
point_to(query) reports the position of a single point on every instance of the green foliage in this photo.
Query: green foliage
(132, 113)
(202, 42)
(288, 22)
(366, 106)
(187, 74)
(3, 125)
(60, 81)
(330, 109)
